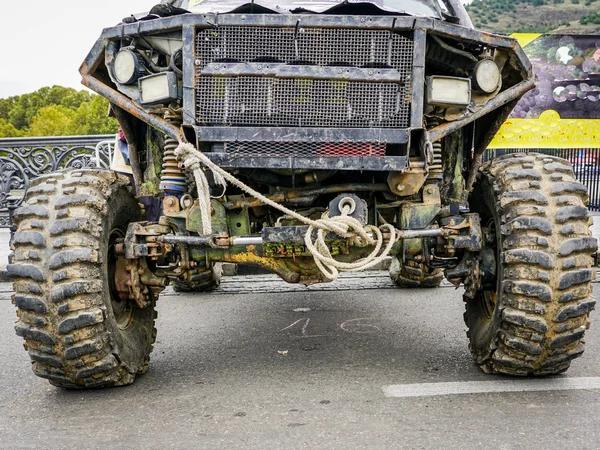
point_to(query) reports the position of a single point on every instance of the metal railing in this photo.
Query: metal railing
(24, 159)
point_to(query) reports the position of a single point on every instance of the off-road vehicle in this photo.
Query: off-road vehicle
(304, 139)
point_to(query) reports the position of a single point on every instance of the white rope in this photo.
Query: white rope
(344, 225)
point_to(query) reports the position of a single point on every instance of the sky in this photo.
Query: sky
(43, 42)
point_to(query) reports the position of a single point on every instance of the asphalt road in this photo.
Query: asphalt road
(218, 380)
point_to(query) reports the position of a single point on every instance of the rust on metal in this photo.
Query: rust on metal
(406, 183)
(171, 205)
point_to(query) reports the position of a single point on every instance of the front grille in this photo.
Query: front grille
(301, 102)
(316, 46)
(230, 98)
(302, 149)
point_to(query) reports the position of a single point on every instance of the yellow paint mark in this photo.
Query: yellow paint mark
(549, 131)
(525, 38)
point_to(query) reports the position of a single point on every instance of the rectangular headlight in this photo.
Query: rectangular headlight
(159, 88)
(448, 91)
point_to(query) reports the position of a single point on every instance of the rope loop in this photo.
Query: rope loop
(344, 225)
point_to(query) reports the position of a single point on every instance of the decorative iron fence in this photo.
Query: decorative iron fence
(24, 159)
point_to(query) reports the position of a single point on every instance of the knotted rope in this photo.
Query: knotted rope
(344, 225)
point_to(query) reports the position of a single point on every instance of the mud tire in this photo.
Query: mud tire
(543, 253)
(61, 283)
(200, 280)
(413, 274)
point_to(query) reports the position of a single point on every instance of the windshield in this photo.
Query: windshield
(427, 8)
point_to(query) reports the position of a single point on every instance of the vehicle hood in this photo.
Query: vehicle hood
(422, 8)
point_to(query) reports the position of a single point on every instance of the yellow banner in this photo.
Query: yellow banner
(564, 109)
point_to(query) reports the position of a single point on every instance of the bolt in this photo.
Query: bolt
(429, 189)
(171, 201)
(399, 187)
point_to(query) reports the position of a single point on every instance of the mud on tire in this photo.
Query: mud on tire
(533, 321)
(73, 332)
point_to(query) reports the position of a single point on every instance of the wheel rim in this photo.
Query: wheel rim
(490, 296)
(120, 302)
(489, 303)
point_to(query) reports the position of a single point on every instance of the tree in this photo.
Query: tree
(8, 130)
(92, 118)
(55, 110)
(53, 120)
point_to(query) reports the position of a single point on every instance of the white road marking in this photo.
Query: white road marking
(484, 387)
(354, 325)
(306, 321)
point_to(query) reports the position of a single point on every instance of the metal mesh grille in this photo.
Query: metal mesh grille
(301, 102)
(266, 100)
(305, 149)
(317, 46)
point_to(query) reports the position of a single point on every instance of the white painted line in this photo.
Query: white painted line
(484, 387)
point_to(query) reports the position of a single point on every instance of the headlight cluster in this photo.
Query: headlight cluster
(486, 76)
(159, 88)
(156, 88)
(446, 91)
(128, 66)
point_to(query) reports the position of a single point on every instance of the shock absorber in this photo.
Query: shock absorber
(435, 168)
(172, 179)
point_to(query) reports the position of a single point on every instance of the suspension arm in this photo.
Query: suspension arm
(295, 235)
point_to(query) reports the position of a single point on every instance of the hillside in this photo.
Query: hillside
(536, 16)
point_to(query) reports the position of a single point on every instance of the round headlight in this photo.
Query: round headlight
(487, 76)
(127, 66)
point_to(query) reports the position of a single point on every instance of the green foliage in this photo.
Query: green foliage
(55, 111)
(593, 18)
(8, 130)
(91, 118)
(534, 16)
(53, 120)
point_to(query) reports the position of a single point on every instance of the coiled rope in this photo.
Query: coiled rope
(344, 225)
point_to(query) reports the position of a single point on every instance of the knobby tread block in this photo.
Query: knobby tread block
(541, 323)
(58, 280)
